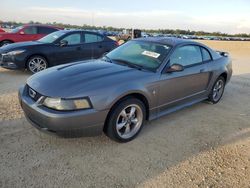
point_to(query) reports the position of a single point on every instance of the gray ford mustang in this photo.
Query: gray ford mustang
(141, 80)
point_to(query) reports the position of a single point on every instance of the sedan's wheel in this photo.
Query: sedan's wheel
(36, 64)
(126, 120)
(217, 90)
(4, 43)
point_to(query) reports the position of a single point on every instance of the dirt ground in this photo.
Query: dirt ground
(200, 146)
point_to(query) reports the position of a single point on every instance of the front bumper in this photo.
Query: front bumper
(74, 123)
(12, 62)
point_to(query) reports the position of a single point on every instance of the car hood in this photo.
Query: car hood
(82, 78)
(19, 45)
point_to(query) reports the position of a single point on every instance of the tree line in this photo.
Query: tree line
(110, 28)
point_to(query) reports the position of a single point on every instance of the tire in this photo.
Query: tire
(217, 90)
(5, 42)
(119, 122)
(36, 64)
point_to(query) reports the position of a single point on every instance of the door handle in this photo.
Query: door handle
(202, 70)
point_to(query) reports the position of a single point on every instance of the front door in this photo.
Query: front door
(28, 33)
(191, 83)
(70, 52)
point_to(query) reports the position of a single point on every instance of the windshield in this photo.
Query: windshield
(52, 37)
(147, 55)
(16, 29)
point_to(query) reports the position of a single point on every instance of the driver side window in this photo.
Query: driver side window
(186, 55)
(73, 39)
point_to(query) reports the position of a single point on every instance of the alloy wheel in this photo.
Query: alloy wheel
(129, 121)
(218, 90)
(37, 64)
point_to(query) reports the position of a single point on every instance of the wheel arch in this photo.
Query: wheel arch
(224, 75)
(9, 40)
(136, 95)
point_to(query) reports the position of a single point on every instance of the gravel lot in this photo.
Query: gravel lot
(201, 146)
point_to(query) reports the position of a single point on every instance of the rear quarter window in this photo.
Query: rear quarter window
(205, 54)
(91, 38)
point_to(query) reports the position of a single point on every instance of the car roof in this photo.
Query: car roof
(81, 30)
(172, 41)
(43, 25)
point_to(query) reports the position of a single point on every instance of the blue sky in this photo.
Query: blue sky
(229, 16)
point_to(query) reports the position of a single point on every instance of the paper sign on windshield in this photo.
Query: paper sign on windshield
(151, 54)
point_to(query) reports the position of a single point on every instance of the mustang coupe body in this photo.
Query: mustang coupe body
(141, 80)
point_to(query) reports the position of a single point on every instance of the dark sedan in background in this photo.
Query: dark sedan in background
(54, 49)
(142, 79)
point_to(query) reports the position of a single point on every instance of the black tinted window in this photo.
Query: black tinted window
(90, 38)
(206, 55)
(46, 30)
(186, 55)
(30, 30)
(73, 39)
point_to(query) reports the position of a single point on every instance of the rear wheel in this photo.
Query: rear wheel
(126, 120)
(36, 64)
(217, 90)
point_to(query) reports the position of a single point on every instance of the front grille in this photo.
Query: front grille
(33, 94)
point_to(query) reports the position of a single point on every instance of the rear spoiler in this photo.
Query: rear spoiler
(224, 54)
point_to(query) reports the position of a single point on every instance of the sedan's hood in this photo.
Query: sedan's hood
(19, 45)
(82, 78)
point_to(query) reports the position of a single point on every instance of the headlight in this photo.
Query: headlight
(66, 104)
(16, 52)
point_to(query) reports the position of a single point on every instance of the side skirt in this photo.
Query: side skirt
(174, 109)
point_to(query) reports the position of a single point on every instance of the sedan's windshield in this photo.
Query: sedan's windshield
(147, 55)
(16, 29)
(52, 37)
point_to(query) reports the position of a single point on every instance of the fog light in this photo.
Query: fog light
(11, 64)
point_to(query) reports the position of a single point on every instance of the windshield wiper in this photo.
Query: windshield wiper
(129, 64)
(108, 59)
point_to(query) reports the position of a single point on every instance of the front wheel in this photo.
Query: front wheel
(126, 120)
(217, 90)
(5, 42)
(36, 64)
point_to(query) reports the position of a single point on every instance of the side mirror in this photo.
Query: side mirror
(63, 43)
(21, 33)
(175, 68)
